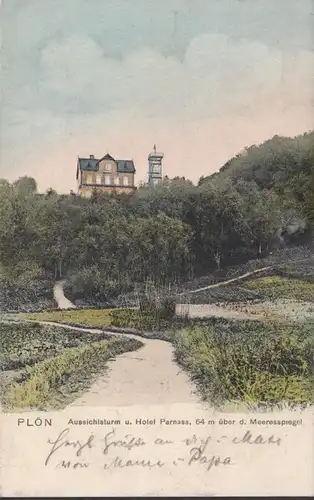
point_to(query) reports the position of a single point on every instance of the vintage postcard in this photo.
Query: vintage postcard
(156, 248)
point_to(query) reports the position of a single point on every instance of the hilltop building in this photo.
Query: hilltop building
(154, 167)
(104, 175)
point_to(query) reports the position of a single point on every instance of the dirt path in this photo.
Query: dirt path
(58, 295)
(212, 310)
(232, 280)
(147, 376)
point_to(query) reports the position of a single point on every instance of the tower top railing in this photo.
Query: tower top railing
(155, 154)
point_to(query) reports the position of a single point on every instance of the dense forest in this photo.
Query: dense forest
(260, 200)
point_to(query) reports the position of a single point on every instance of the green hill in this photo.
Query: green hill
(282, 164)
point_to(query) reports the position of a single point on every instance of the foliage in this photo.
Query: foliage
(282, 163)
(309, 200)
(157, 302)
(25, 185)
(141, 320)
(248, 361)
(282, 167)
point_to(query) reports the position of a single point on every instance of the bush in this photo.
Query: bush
(91, 286)
(163, 307)
(133, 318)
(25, 296)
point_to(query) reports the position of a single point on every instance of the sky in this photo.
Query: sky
(201, 79)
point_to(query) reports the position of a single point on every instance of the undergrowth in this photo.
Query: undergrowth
(277, 287)
(248, 361)
(47, 367)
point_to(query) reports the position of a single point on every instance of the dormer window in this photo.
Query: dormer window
(108, 167)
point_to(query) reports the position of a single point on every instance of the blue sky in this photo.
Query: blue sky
(201, 78)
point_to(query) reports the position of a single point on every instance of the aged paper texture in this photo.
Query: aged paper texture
(80, 452)
(156, 248)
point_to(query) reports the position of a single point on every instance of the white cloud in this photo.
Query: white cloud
(217, 74)
(223, 94)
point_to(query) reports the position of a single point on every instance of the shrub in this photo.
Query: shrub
(133, 318)
(163, 307)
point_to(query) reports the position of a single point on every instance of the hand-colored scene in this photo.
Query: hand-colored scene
(156, 248)
(196, 292)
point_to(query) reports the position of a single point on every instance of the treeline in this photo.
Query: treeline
(282, 164)
(108, 243)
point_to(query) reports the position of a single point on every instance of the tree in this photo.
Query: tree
(25, 185)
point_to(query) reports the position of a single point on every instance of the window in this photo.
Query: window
(156, 169)
(117, 181)
(98, 179)
(107, 180)
(89, 179)
(108, 167)
(125, 181)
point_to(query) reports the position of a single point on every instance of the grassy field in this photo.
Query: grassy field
(278, 287)
(248, 361)
(48, 367)
(148, 324)
(95, 318)
(274, 286)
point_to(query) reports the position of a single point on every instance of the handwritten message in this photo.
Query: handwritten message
(119, 450)
(174, 450)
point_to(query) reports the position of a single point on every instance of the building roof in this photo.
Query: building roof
(123, 166)
(107, 157)
(88, 163)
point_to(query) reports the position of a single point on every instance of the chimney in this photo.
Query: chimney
(92, 157)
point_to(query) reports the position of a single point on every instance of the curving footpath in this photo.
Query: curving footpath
(227, 282)
(58, 295)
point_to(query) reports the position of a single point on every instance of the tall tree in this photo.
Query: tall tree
(25, 185)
